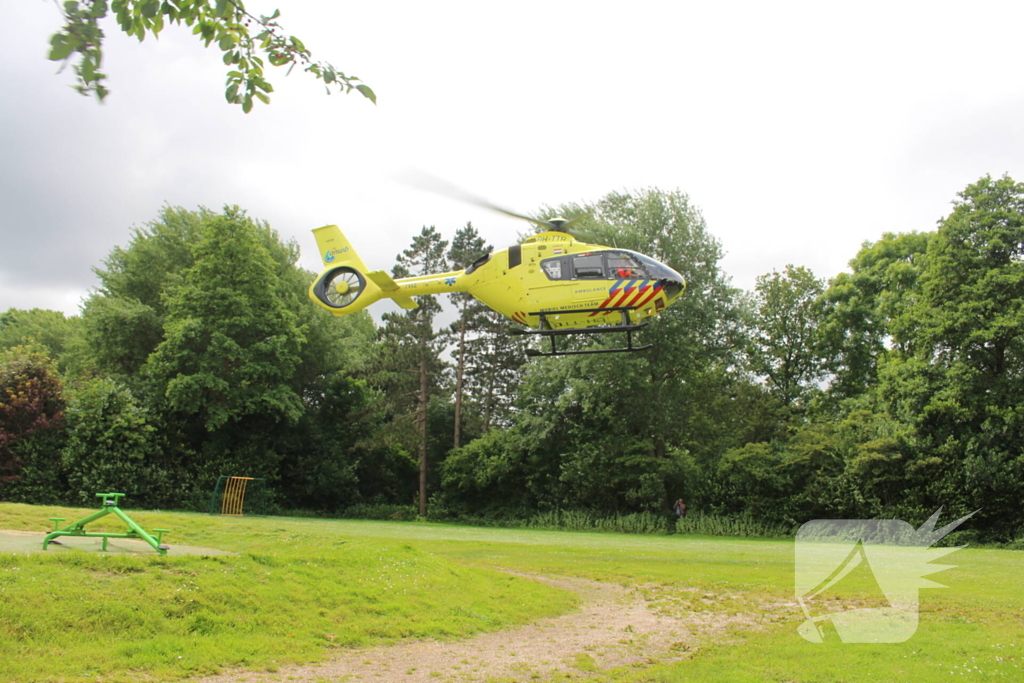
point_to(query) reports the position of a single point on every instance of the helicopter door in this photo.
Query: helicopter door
(551, 291)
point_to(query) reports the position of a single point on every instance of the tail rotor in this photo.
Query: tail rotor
(340, 287)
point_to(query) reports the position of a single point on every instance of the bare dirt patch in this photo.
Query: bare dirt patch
(614, 626)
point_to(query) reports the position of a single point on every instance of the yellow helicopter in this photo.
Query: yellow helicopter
(552, 284)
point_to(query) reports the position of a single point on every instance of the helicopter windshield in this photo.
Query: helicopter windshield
(657, 270)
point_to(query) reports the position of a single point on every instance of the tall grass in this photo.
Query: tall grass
(566, 520)
(375, 511)
(698, 523)
(708, 524)
(581, 520)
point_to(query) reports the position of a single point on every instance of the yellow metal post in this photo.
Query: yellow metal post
(234, 496)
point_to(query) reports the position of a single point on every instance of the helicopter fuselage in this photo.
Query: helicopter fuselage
(550, 281)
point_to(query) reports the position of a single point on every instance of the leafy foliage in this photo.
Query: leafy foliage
(31, 420)
(240, 35)
(230, 349)
(864, 312)
(785, 345)
(335, 459)
(111, 444)
(124, 320)
(192, 305)
(51, 330)
(966, 378)
(230, 344)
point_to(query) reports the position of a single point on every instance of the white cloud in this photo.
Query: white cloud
(800, 129)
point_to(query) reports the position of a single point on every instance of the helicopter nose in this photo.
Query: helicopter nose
(673, 287)
(672, 283)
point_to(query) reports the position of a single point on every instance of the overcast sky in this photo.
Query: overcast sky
(800, 129)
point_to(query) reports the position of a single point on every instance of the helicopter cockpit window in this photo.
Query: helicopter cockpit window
(603, 265)
(623, 266)
(588, 266)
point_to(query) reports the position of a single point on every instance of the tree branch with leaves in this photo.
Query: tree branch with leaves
(240, 35)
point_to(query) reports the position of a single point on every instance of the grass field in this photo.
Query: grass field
(301, 590)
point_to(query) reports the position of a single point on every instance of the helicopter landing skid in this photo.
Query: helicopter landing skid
(604, 329)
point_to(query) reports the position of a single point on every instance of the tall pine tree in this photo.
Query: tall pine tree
(411, 368)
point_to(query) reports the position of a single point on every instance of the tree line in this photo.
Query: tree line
(886, 391)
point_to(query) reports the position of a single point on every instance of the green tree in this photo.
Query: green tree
(496, 475)
(693, 339)
(124, 319)
(494, 362)
(230, 351)
(130, 315)
(974, 282)
(487, 358)
(111, 445)
(865, 311)
(120, 334)
(964, 386)
(50, 329)
(32, 410)
(339, 454)
(785, 345)
(410, 368)
(240, 35)
(859, 464)
(466, 247)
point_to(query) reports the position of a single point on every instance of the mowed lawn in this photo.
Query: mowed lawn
(300, 589)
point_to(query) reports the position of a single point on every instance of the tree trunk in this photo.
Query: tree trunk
(459, 369)
(489, 401)
(423, 437)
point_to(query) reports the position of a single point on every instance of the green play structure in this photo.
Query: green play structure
(110, 507)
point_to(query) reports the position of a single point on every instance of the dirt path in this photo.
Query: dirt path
(613, 627)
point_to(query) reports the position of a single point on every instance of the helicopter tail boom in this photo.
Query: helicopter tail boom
(390, 289)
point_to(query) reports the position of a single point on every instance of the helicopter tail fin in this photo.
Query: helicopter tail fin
(345, 286)
(335, 249)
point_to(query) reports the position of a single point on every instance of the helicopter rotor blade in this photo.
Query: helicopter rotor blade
(579, 235)
(425, 181)
(494, 207)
